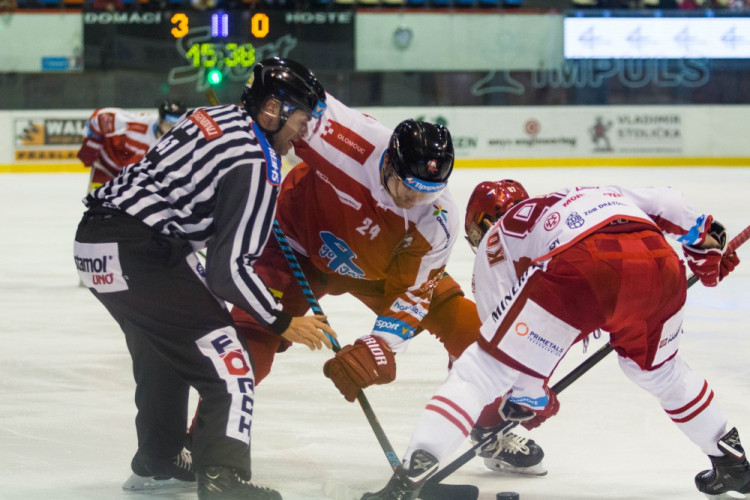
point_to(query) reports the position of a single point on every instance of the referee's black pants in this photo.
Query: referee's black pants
(179, 335)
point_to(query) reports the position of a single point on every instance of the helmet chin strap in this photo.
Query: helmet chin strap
(386, 170)
(270, 133)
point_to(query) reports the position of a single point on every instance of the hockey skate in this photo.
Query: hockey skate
(224, 483)
(160, 474)
(730, 472)
(405, 484)
(511, 454)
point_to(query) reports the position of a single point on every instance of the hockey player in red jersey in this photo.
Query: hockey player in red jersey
(368, 213)
(116, 138)
(551, 270)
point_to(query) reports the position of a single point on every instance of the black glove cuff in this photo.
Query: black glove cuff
(719, 233)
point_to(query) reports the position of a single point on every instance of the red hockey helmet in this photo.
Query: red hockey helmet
(487, 203)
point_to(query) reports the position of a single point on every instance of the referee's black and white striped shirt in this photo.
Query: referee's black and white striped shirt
(212, 180)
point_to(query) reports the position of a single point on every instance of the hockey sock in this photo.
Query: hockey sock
(475, 381)
(687, 399)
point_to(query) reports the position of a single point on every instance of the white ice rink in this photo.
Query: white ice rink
(66, 391)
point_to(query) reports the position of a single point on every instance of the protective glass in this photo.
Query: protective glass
(287, 108)
(172, 119)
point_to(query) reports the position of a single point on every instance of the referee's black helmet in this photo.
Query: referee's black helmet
(291, 83)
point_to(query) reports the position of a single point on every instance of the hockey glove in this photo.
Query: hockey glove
(89, 151)
(368, 361)
(531, 413)
(710, 265)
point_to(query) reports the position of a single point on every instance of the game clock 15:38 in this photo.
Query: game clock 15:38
(215, 55)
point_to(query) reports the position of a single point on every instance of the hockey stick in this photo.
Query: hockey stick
(212, 99)
(291, 259)
(286, 248)
(437, 491)
(477, 448)
(562, 384)
(390, 453)
(440, 491)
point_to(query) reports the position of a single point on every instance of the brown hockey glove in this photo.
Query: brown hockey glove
(368, 361)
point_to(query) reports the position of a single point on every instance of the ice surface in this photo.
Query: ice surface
(66, 391)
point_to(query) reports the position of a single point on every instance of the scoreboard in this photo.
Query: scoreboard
(186, 45)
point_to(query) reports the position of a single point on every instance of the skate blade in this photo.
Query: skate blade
(140, 483)
(729, 495)
(504, 468)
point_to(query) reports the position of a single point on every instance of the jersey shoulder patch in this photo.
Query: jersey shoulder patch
(347, 141)
(138, 127)
(206, 124)
(105, 123)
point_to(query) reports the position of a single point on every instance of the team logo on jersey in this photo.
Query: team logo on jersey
(347, 141)
(552, 221)
(432, 281)
(340, 256)
(574, 220)
(206, 124)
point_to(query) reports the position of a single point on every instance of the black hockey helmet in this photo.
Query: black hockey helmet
(292, 84)
(171, 111)
(421, 150)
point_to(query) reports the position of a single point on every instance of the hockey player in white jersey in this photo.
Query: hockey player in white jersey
(551, 270)
(116, 138)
